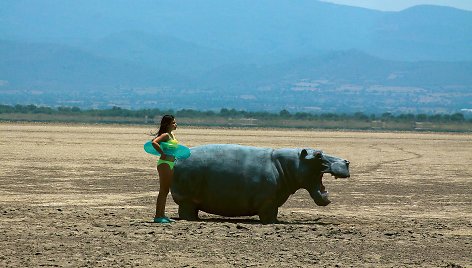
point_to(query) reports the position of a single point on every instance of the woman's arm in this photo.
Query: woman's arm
(155, 143)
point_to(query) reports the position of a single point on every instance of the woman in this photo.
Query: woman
(165, 166)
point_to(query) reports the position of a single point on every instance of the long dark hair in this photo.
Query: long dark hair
(166, 121)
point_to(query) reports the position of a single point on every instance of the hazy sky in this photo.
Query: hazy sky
(395, 5)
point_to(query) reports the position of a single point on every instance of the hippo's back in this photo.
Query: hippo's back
(228, 155)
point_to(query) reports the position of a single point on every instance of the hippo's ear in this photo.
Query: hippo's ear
(310, 155)
(303, 153)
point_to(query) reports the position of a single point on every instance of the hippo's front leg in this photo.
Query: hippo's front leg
(188, 211)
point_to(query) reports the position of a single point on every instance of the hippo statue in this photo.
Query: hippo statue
(234, 180)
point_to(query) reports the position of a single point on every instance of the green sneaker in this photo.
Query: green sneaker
(162, 220)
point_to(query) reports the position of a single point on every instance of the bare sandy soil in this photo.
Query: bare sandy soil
(84, 196)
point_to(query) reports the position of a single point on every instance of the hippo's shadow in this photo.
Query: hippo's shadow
(230, 220)
(310, 222)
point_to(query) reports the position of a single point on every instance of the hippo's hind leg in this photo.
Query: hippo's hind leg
(268, 214)
(188, 211)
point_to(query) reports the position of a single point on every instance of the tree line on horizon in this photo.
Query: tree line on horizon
(231, 113)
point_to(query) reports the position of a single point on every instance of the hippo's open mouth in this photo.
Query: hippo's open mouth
(320, 194)
(322, 187)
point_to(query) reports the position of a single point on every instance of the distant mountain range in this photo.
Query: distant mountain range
(300, 55)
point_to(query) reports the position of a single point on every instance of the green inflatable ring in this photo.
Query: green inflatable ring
(176, 150)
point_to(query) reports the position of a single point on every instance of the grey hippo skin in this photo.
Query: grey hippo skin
(234, 180)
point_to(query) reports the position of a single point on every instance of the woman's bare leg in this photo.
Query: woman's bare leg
(165, 180)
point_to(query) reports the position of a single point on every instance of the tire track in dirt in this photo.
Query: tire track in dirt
(378, 165)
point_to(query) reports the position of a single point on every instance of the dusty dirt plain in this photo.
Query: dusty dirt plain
(84, 196)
